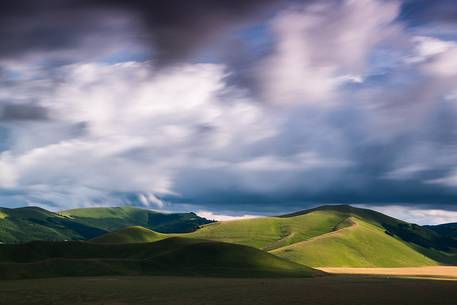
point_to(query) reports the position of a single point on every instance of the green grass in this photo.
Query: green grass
(33, 223)
(172, 256)
(338, 236)
(135, 234)
(359, 245)
(114, 218)
(270, 233)
(328, 236)
(333, 236)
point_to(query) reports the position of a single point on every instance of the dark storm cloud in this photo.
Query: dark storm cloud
(177, 28)
(426, 11)
(23, 112)
(174, 29)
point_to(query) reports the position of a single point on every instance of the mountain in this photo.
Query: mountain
(327, 236)
(33, 223)
(338, 236)
(135, 234)
(447, 229)
(172, 256)
(115, 218)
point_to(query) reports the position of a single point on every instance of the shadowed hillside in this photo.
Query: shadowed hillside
(33, 223)
(110, 219)
(173, 256)
(135, 234)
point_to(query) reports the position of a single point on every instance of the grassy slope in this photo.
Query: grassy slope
(367, 244)
(338, 236)
(270, 232)
(359, 245)
(447, 229)
(173, 256)
(120, 217)
(32, 223)
(135, 234)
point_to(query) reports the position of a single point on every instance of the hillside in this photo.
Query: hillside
(33, 223)
(359, 245)
(135, 234)
(114, 218)
(327, 236)
(338, 235)
(172, 256)
(447, 229)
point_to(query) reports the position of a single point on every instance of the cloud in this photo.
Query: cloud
(220, 217)
(328, 101)
(422, 216)
(320, 47)
(173, 31)
(23, 112)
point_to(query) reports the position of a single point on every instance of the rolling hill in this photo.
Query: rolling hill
(134, 234)
(446, 229)
(34, 223)
(172, 256)
(338, 236)
(328, 236)
(114, 218)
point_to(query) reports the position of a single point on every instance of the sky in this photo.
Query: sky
(230, 108)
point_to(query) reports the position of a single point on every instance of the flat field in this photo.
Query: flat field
(341, 290)
(445, 272)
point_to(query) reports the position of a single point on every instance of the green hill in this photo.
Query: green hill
(327, 236)
(127, 235)
(33, 223)
(359, 245)
(172, 256)
(338, 235)
(446, 229)
(115, 218)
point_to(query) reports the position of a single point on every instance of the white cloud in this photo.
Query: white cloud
(416, 215)
(405, 172)
(140, 128)
(151, 200)
(299, 162)
(322, 46)
(427, 47)
(220, 217)
(8, 175)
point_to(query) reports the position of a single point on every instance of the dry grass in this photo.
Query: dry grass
(449, 272)
(331, 290)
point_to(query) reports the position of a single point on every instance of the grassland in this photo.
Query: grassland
(172, 256)
(337, 236)
(114, 218)
(341, 290)
(269, 233)
(330, 236)
(135, 234)
(359, 245)
(33, 223)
